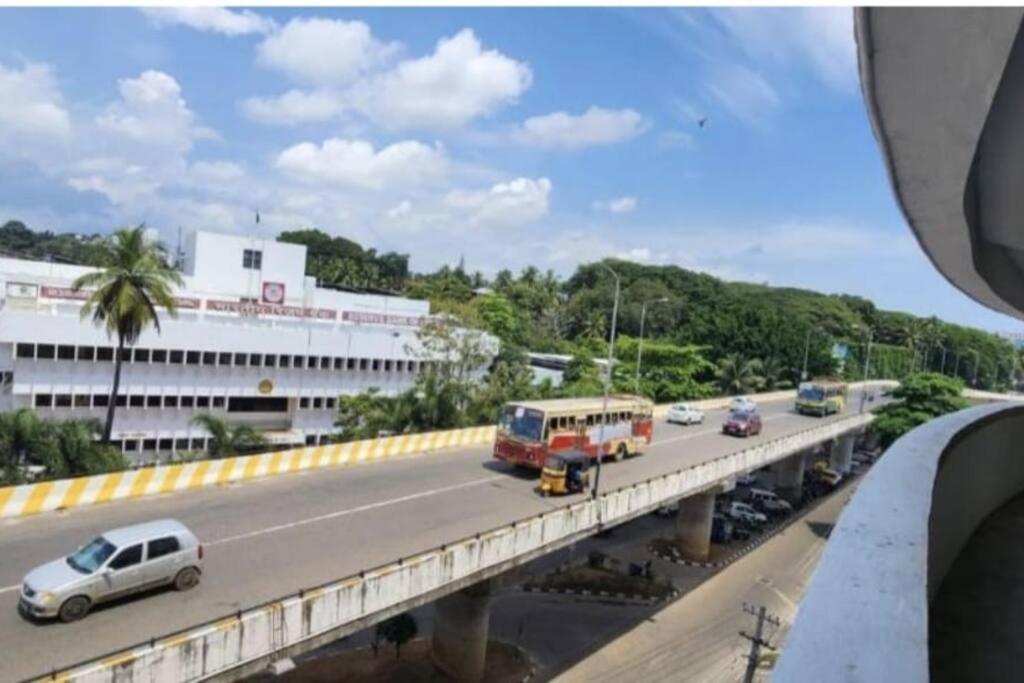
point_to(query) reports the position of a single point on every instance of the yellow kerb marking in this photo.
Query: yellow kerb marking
(142, 479)
(174, 641)
(199, 474)
(170, 478)
(227, 466)
(110, 483)
(251, 467)
(37, 497)
(275, 463)
(118, 660)
(5, 495)
(74, 493)
(297, 458)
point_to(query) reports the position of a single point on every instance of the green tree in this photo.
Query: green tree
(398, 630)
(920, 397)
(737, 375)
(22, 439)
(368, 414)
(133, 279)
(62, 449)
(227, 439)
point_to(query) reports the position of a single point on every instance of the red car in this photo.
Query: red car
(742, 424)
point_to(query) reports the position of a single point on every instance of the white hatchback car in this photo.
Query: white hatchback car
(117, 563)
(685, 414)
(741, 512)
(742, 404)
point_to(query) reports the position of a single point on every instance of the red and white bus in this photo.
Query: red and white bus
(530, 431)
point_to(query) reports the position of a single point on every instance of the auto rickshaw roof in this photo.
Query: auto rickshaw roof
(571, 458)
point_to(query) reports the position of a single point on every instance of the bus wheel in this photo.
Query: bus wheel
(621, 452)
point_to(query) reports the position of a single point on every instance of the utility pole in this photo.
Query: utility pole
(640, 345)
(607, 380)
(867, 362)
(757, 641)
(807, 350)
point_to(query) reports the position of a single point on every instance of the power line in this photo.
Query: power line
(758, 640)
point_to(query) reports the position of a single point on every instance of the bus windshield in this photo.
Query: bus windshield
(812, 392)
(523, 423)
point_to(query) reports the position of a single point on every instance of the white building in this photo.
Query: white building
(254, 341)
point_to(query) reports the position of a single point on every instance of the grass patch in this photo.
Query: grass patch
(597, 579)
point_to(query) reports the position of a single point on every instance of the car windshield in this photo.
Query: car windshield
(741, 417)
(524, 423)
(812, 393)
(91, 557)
(682, 406)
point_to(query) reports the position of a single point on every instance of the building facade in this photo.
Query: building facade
(254, 341)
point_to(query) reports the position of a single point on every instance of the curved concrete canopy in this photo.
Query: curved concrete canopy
(945, 93)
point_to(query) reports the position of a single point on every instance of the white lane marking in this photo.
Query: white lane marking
(8, 589)
(352, 511)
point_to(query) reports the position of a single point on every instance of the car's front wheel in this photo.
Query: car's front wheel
(186, 579)
(74, 609)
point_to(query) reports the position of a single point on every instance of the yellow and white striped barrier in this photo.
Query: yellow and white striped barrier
(18, 501)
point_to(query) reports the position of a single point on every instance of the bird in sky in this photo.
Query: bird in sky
(702, 121)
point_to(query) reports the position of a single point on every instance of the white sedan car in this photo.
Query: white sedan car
(742, 404)
(685, 414)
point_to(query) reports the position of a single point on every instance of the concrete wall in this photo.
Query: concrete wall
(865, 616)
(242, 643)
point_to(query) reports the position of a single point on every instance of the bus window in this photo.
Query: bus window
(590, 420)
(546, 431)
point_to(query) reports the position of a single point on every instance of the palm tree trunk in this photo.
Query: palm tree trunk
(108, 427)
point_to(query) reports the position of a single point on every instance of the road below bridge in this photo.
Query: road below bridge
(272, 537)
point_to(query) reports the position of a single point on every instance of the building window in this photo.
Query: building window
(100, 401)
(252, 259)
(339, 363)
(399, 365)
(105, 353)
(269, 360)
(286, 361)
(311, 440)
(218, 401)
(239, 360)
(153, 401)
(62, 400)
(181, 444)
(81, 400)
(170, 401)
(149, 444)
(303, 402)
(363, 364)
(160, 356)
(329, 403)
(387, 366)
(209, 358)
(350, 364)
(318, 403)
(121, 400)
(136, 401)
(311, 362)
(44, 400)
(45, 351)
(131, 445)
(257, 404)
(325, 363)
(255, 360)
(177, 357)
(26, 351)
(192, 358)
(188, 401)
(376, 364)
(141, 355)
(202, 401)
(86, 353)
(166, 444)
(65, 352)
(224, 359)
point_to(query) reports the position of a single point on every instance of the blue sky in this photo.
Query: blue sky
(510, 137)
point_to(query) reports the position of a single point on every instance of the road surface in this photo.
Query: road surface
(269, 538)
(696, 638)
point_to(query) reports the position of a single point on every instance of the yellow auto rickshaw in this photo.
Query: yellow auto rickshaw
(565, 473)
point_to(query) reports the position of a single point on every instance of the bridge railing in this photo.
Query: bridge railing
(242, 643)
(865, 616)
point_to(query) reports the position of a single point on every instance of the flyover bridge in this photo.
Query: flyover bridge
(298, 560)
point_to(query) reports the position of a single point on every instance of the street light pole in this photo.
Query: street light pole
(607, 379)
(867, 362)
(640, 346)
(807, 350)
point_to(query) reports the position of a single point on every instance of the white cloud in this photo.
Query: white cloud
(817, 37)
(519, 201)
(216, 19)
(33, 111)
(217, 171)
(152, 112)
(458, 82)
(357, 163)
(617, 205)
(323, 51)
(294, 107)
(675, 139)
(596, 126)
(742, 91)
(403, 208)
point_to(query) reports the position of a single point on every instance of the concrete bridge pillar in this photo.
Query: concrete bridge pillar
(789, 477)
(693, 525)
(461, 627)
(841, 457)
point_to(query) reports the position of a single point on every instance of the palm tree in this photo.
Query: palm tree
(134, 278)
(737, 375)
(227, 439)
